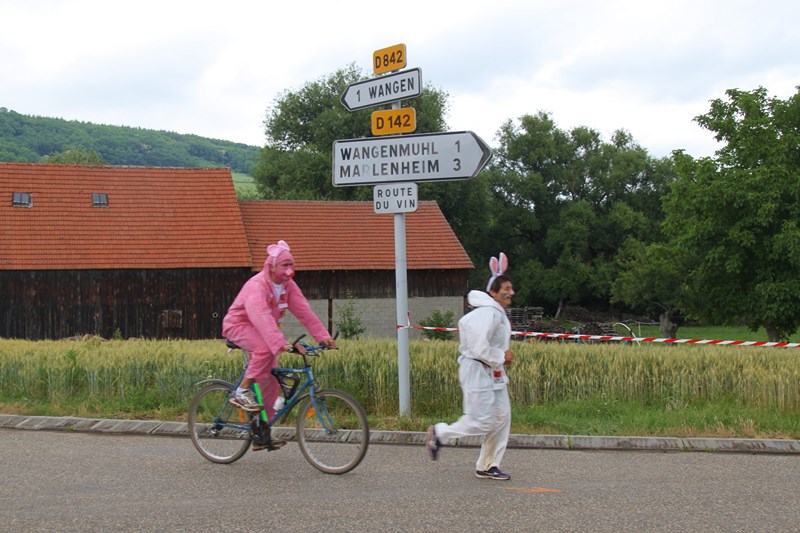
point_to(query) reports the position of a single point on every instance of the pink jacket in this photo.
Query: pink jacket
(254, 305)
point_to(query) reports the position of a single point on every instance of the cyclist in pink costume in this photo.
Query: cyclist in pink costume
(254, 321)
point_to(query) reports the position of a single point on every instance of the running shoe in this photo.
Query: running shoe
(246, 401)
(432, 443)
(493, 473)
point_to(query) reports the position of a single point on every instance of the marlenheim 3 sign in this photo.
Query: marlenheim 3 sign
(425, 157)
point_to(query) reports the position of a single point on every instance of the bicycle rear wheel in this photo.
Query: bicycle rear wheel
(333, 434)
(219, 430)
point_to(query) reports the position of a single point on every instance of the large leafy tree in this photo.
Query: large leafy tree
(738, 214)
(565, 203)
(302, 125)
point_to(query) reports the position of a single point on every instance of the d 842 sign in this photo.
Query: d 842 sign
(393, 121)
(389, 59)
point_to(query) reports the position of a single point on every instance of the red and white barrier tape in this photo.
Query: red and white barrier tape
(763, 344)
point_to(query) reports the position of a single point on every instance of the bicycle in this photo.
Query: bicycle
(330, 425)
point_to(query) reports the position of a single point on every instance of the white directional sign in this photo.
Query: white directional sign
(425, 157)
(395, 198)
(384, 89)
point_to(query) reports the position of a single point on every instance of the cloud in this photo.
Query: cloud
(213, 69)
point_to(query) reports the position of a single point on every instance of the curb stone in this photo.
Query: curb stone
(562, 442)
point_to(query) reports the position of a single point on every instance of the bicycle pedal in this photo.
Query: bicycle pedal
(270, 446)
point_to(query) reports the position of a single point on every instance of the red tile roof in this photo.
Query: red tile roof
(350, 235)
(156, 218)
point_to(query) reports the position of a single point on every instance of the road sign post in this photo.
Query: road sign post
(390, 162)
(383, 90)
(389, 58)
(400, 198)
(422, 157)
(394, 121)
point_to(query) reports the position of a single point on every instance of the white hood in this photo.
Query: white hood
(482, 299)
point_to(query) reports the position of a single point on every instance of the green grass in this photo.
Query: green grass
(556, 387)
(245, 185)
(732, 333)
(717, 418)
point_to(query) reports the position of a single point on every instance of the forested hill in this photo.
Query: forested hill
(29, 138)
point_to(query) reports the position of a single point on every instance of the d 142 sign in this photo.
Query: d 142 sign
(391, 121)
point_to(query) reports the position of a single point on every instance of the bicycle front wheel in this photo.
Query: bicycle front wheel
(332, 431)
(219, 431)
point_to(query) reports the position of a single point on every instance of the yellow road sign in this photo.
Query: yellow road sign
(389, 59)
(392, 121)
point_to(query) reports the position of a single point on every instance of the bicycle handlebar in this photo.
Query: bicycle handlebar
(310, 350)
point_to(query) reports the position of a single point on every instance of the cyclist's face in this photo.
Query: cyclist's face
(283, 271)
(503, 296)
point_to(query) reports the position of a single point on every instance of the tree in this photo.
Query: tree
(563, 204)
(75, 155)
(302, 125)
(35, 139)
(650, 278)
(738, 214)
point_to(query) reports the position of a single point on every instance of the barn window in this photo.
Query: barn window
(99, 199)
(171, 319)
(21, 199)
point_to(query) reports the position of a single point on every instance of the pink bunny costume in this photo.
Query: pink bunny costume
(485, 335)
(254, 319)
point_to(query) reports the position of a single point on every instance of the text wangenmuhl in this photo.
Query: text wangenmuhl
(389, 159)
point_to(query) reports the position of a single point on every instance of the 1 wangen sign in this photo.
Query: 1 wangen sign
(425, 157)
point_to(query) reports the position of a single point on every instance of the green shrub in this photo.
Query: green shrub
(350, 325)
(438, 319)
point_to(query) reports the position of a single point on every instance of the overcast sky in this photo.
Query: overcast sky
(213, 68)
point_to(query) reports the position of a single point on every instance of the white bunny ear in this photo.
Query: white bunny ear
(503, 263)
(493, 265)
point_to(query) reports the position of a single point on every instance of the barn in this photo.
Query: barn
(131, 251)
(162, 252)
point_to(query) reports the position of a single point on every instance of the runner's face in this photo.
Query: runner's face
(503, 296)
(283, 271)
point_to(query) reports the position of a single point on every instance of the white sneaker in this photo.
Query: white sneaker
(246, 401)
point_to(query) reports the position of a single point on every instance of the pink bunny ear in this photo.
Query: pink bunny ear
(497, 267)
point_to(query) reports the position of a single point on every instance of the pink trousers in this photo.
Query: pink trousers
(261, 363)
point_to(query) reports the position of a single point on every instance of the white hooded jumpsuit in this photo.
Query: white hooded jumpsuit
(485, 334)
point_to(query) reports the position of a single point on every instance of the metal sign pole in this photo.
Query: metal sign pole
(401, 292)
(401, 285)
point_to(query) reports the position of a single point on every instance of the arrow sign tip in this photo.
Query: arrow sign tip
(487, 152)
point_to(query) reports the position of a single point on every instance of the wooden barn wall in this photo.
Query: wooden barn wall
(180, 303)
(319, 285)
(177, 303)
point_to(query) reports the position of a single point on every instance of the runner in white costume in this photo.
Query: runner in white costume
(485, 333)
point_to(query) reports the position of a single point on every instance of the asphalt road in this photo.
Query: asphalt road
(61, 481)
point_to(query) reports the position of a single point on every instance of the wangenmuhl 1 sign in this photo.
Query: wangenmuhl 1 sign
(383, 90)
(424, 157)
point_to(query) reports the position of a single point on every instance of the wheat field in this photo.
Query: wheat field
(157, 378)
